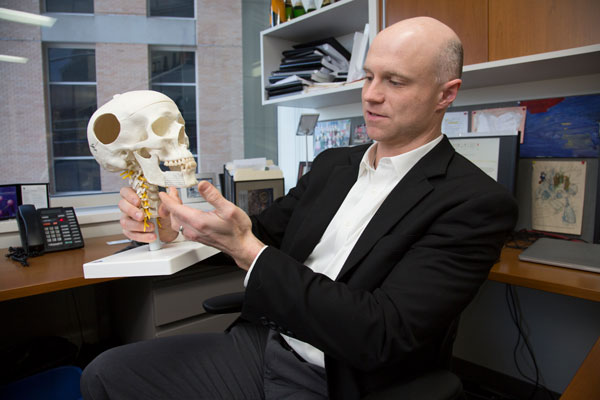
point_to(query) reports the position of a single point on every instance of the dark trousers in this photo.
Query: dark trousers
(248, 362)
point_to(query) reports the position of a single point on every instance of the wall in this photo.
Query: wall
(219, 60)
(22, 108)
(260, 122)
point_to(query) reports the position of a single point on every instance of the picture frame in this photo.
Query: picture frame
(255, 196)
(334, 133)
(303, 168)
(359, 135)
(191, 195)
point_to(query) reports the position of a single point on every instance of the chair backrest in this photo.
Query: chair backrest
(445, 350)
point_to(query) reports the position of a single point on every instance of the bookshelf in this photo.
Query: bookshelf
(340, 20)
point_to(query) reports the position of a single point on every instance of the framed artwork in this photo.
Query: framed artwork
(303, 168)
(191, 194)
(359, 135)
(329, 134)
(255, 196)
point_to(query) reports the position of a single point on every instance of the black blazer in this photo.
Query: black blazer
(418, 263)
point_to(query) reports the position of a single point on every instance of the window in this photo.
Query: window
(172, 8)
(72, 101)
(173, 72)
(70, 6)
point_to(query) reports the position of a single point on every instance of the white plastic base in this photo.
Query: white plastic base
(171, 258)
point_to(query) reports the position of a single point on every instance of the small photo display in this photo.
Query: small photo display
(359, 135)
(255, 201)
(329, 134)
(8, 201)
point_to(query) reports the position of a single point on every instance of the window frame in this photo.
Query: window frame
(164, 16)
(180, 49)
(49, 136)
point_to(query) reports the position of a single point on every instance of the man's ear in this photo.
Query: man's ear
(449, 92)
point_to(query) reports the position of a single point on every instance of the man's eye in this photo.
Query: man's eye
(369, 78)
(395, 83)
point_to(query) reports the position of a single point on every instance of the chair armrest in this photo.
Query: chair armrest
(224, 304)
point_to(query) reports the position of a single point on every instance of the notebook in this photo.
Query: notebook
(564, 253)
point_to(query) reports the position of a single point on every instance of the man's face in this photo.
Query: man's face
(400, 95)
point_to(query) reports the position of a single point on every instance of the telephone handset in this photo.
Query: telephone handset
(48, 229)
(30, 229)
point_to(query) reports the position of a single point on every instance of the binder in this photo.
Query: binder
(330, 41)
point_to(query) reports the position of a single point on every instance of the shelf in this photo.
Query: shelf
(340, 20)
(334, 20)
(349, 93)
(577, 61)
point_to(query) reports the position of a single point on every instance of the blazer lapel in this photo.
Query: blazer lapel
(408, 192)
(338, 185)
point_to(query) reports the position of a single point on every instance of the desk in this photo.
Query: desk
(570, 282)
(64, 269)
(53, 271)
(585, 384)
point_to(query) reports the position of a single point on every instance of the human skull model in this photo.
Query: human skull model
(136, 131)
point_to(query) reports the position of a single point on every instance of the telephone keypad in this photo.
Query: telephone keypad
(61, 230)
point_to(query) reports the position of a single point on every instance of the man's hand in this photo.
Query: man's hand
(226, 228)
(132, 218)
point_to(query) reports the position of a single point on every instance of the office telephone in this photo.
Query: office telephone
(48, 229)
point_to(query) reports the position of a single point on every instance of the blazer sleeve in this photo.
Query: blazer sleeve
(434, 274)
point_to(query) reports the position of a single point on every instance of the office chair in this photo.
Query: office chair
(438, 384)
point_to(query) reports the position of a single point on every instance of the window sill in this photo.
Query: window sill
(92, 216)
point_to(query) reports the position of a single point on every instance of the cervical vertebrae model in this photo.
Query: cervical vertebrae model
(136, 131)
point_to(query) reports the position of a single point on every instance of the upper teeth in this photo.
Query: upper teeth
(184, 163)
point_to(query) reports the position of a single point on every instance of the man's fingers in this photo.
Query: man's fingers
(130, 209)
(174, 193)
(129, 194)
(212, 195)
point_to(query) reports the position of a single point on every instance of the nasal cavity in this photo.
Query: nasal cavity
(107, 128)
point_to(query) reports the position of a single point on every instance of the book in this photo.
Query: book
(331, 41)
(304, 65)
(322, 75)
(359, 52)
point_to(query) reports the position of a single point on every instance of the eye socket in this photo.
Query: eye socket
(161, 126)
(107, 128)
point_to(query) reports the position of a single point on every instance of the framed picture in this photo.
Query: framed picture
(191, 194)
(359, 135)
(255, 196)
(303, 168)
(330, 134)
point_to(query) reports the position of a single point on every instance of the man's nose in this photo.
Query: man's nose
(371, 92)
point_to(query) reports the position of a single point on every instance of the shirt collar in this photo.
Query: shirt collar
(401, 163)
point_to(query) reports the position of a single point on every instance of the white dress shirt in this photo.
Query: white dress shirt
(360, 205)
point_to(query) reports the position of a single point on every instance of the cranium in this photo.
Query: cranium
(136, 131)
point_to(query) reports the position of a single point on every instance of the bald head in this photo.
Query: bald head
(438, 45)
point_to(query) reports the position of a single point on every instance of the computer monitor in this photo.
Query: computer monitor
(496, 153)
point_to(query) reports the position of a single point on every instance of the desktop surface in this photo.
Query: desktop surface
(53, 271)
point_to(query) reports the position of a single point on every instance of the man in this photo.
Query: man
(354, 275)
